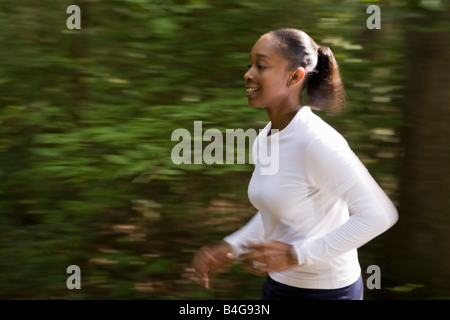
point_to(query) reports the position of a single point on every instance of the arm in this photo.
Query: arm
(337, 170)
(252, 232)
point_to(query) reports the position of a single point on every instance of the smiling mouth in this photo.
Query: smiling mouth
(252, 90)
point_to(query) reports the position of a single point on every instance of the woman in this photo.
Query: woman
(321, 204)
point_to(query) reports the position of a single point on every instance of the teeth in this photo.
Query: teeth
(252, 90)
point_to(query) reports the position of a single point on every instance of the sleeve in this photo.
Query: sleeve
(252, 232)
(336, 169)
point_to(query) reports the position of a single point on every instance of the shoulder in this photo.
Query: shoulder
(316, 133)
(326, 149)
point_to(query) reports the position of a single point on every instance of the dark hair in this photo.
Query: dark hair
(323, 83)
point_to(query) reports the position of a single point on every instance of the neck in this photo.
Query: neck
(281, 117)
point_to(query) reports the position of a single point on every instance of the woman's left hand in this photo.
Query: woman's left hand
(271, 256)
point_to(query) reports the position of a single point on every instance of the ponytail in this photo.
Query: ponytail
(325, 88)
(323, 83)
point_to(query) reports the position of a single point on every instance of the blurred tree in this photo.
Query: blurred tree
(421, 240)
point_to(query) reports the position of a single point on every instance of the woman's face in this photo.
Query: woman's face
(268, 76)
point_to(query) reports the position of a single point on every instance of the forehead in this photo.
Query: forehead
(267, 48)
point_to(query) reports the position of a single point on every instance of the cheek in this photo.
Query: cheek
(274, 81)
(274, 88)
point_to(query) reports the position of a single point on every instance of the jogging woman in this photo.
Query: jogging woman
(322, 203)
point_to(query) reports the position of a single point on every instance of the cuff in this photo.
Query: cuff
(236, 247)
(301, 250)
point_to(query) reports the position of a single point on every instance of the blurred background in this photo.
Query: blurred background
(86, 118)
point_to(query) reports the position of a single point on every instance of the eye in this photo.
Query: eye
(259, 66)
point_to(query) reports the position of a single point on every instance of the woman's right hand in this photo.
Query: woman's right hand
(210, 259)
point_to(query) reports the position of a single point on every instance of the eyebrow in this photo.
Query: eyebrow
(261, 55)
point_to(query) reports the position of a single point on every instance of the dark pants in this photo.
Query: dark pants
(273, 290)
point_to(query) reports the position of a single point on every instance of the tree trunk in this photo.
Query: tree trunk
(421, 238)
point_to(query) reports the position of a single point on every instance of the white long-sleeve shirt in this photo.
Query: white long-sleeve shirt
(318, 197)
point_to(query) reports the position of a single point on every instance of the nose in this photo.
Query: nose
(248, 76)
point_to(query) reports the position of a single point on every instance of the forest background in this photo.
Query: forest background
(86, 117)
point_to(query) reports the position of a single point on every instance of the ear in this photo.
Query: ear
(296, 76)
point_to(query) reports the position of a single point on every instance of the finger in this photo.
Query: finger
(253, 256)
(209, 256)
(212, 262)
(250, 268)
(252, 253)
(204, 261)
(255, 246)
(206, 281)
(200, 266)
(202, 279)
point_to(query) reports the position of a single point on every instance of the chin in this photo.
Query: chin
(255, 104)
